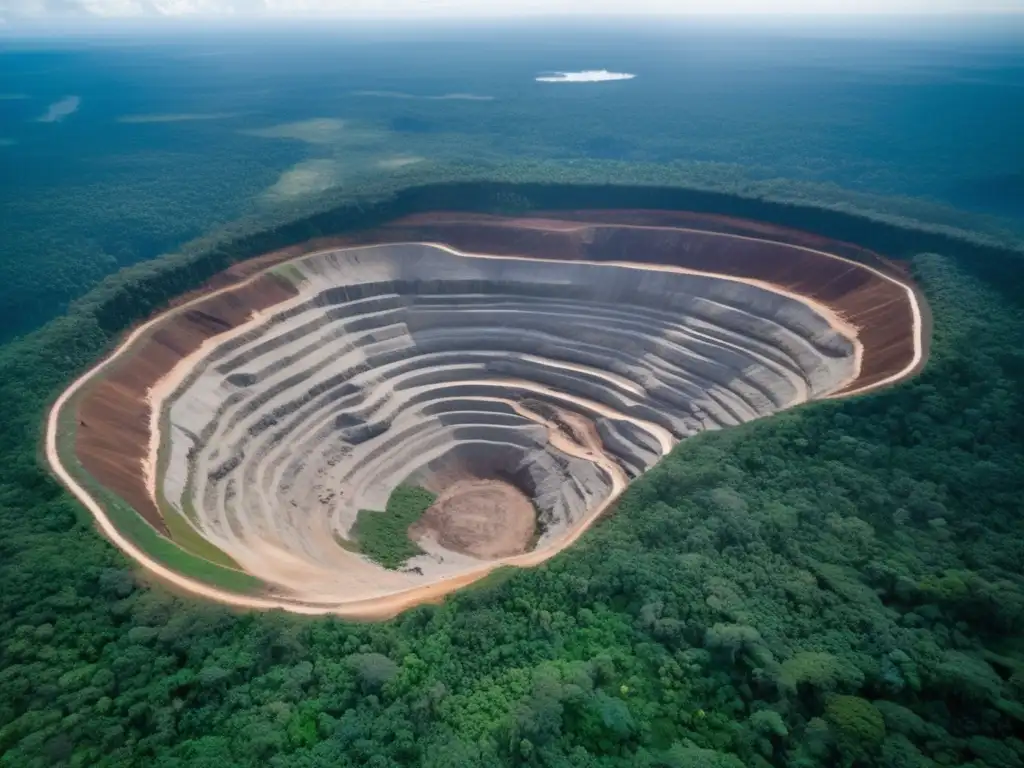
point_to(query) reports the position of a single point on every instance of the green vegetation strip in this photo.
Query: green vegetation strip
(188, 538)
(384, 536)
(217, 569)
(289, 273)
(179, 524)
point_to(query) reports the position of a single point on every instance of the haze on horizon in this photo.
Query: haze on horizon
(39, 10)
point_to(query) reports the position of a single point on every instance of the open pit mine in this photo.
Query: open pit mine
(518, 372)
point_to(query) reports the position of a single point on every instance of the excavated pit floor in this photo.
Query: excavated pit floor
(484, 519)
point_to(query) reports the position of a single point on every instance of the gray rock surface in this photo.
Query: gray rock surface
(406, 362)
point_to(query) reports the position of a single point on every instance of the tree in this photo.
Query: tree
(372, 670)
(734, 638)
(857, 724)
(821, 671)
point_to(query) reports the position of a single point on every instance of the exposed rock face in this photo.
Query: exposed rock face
(395, 357)
(537, 363)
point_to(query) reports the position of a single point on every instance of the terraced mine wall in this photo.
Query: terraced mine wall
(113, 421)
(876, 307)
(136, 292)
(532, 364)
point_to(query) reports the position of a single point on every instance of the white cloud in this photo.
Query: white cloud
(392, 163)
(319, 130)
(587, 76)
(60, 109)
(305, 178)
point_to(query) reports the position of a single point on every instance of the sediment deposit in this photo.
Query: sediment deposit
(529, 367)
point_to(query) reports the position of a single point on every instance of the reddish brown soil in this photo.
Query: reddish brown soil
(113, 433)
(112, 438)
(874, 305)
(486, 519)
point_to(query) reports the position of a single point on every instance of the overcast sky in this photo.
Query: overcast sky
(41, 9)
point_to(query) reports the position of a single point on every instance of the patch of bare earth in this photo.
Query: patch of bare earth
(480, 518)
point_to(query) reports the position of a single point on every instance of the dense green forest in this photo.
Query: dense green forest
(837, 585)
(172, 135)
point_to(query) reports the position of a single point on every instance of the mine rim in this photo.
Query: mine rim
(389, 604)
